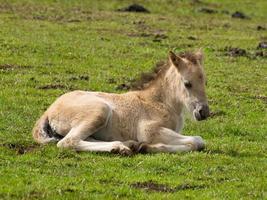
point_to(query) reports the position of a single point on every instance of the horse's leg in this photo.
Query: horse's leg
(131, 144)
(167, 140)
(164, 148)
(76, 137)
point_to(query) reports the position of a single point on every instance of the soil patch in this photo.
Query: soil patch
(80, 77)
(261, 28)
(152, 186)
(207, 10)
(191, 38)
(11, 67)
(262, 54)
(111, 81)
(157, 36)
(199, 2)
(240, 15)
(123, 86)
(262, 45)
(54, 86)
(196, 2)
(156, 187)
(235, 52)
(225, 12)
(20, 148)
(217, 113)
(188, 187)
(134, 8)
(261, 97)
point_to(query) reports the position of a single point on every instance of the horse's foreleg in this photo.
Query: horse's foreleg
(100, 146)
(164, 148)
(166, 140)
(126, 147)
(168, 136)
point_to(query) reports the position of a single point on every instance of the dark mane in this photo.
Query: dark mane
(147, 78)
(189, 56)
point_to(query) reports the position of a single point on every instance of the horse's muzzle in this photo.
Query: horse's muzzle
(202, 112)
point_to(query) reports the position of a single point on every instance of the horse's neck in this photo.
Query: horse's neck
(165, 90)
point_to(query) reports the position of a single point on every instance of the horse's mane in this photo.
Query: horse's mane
(145, 79)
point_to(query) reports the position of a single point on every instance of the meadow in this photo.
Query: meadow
(50, 47)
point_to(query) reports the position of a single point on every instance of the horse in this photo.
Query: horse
(147, 119)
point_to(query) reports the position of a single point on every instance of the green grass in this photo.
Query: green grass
(53, 43)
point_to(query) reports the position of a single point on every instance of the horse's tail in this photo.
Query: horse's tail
(42, 132)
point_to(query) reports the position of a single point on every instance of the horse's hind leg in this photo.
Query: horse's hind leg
(86, 126)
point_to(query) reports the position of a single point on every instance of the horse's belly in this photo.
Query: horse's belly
(105, 134)
(117, 130)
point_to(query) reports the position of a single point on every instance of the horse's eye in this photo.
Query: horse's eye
(187, 84)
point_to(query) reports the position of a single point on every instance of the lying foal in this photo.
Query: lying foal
(146, 120)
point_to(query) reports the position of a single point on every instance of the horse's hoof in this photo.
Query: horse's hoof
(133, 145)
(125, 151)
(142, 148)
(200, 144)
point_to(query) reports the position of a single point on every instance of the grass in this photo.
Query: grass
(50, 47)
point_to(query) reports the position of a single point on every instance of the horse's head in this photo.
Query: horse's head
(191, 82)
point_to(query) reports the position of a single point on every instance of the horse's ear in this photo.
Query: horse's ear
(177, 61)
(199, 55)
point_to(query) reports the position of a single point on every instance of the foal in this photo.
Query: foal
(145, 120)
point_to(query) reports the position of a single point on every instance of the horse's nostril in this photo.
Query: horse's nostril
(202, 113)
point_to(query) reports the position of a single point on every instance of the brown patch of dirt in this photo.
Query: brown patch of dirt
(235, 52)
(240, 15)
(55, 13)
(74, 20)
(253, 54)
(11, 67)
(262, 54)
(156, 187)
(20, 148)
(262, 45)
(152, 186)
(261, 97)
(225, 12)
(80, 77)
(196, 2)
(217, 113)
(111, 81)
(192, 38)
(123, 86)
(199, 2)
(207, 10)
(226, 25)
(157, 36)
(54, 86)
(188, 187)
(261, 28)
(134, 8)
(138, 22)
